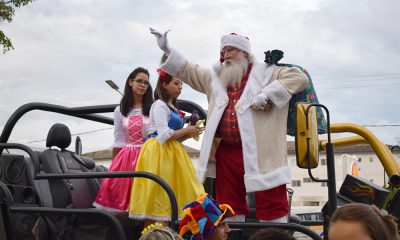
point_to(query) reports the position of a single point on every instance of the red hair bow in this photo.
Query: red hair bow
(162, 73)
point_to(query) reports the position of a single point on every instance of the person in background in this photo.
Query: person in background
(204, 219)
(272, 234)
(246, 129)
(157, 231)
(130, 129)
(358, 221)
(164, 155)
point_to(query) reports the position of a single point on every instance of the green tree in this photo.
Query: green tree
(7, 11)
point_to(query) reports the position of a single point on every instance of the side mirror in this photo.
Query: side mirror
(306, 136)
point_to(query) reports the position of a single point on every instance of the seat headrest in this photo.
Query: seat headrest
(59, 136)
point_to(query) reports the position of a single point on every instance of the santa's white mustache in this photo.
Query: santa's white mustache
(233, 71)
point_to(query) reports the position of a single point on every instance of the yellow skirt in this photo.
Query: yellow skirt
(171, 162)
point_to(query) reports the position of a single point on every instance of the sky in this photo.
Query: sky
(66, 49)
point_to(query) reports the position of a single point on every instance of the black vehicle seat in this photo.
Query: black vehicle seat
(77, 193)
(41, 187)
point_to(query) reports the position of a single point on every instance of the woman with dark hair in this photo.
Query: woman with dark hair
(164, 155)
(130, 129)
(355, 221)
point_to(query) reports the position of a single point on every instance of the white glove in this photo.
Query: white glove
(162, 40)
(260, 102)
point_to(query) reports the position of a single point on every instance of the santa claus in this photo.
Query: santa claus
(244, 144)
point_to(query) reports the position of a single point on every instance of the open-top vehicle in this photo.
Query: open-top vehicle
(48, 194)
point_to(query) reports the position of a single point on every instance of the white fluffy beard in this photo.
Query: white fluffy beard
(233, 71)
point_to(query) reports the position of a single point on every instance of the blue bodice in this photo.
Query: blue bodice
(176, 121)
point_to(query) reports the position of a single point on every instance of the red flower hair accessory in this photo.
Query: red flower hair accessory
(162, 73)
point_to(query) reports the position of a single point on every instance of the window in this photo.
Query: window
(324, 184)
(323, 161)
(296, 203)
(296, 183)
(311, 216)
(310, 203)
(307, 180)
(371, 159)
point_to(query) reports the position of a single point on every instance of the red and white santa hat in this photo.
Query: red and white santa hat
(237, 41)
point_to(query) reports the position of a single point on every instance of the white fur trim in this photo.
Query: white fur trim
(260, 182)
(201, 174)
(212, 124)
(277, 93)
(250, 157)
(211, 170)
(237, 41)
(213, 120)
(245, 118)
(217, 67)
(173, 63)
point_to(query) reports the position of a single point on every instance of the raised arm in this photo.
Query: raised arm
(176, 64)
(162, 40)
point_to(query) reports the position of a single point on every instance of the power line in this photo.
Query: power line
(361, 77)
(358, 86)
(60, 101)
(366, 81)
(104, 129)
(347, 80)
(75, 134)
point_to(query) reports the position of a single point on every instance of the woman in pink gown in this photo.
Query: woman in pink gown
(130, 128)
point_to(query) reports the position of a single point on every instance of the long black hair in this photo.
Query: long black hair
(127, 100)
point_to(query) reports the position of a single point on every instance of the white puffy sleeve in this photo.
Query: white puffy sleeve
(161, 114)
(119, 133)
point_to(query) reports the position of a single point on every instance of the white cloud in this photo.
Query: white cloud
(64, 50)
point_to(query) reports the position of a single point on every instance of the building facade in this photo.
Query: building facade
(359, 160)
(310, 196)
